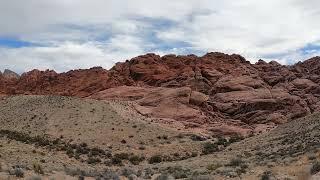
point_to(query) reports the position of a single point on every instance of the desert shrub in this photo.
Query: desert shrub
(34, 178)
(195, 137)
(37, 168)
(122, 156)
(312, 157)
(235, 138)
(222, 141)
(200, 177)
(135, 160)
(209, 148)
(164, 177)
(93, 160)
(315, 168)
(178, 172)
(82, 150)
(116, 160)
(194, 154)
(96, 151)
(17, 171)
(155, 159)
(127, 172)
(69, 152)
(236, 162)
(242, 169)
(108, 174)
(266, 175)
(213, 167)
(73, 171)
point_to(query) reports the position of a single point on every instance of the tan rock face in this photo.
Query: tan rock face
(215, 90)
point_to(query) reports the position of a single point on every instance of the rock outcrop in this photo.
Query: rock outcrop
(215, 91)
(10, 74)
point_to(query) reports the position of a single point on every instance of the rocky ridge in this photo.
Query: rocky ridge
(216, 93)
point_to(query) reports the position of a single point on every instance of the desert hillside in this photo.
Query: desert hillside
(172, 117)
(67, 138)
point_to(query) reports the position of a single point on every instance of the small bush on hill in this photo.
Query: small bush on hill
(209, 148)
(155, 159)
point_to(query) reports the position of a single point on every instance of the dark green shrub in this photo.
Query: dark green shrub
(222, 141)
(209, 148)
(155, 159)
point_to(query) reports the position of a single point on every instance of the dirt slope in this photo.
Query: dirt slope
(76, 137)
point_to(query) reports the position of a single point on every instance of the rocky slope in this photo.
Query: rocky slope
(218, 93)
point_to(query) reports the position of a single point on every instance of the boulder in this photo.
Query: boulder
(198, 98)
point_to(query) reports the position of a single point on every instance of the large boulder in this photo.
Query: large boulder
(198, 98)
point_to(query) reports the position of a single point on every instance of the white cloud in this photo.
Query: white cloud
(65, 56)
(254, 29)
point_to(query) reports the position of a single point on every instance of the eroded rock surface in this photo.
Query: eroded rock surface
(225, 93)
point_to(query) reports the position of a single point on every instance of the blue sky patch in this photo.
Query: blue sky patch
(13, 43)
(309, 48)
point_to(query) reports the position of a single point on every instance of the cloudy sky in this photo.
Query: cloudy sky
(68, 34)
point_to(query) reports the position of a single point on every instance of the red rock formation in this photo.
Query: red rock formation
(220, 88)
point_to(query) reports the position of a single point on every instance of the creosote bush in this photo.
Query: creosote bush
(209, 148)
(155, 159)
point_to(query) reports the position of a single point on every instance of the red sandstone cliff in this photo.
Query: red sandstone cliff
(199, 91)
